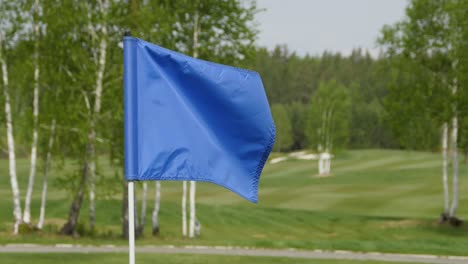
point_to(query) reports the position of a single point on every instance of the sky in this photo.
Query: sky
(313, 26)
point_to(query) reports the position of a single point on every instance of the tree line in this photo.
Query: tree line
(298, 88)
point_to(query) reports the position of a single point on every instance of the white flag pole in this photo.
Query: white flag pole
(131, 189)
(131, 223)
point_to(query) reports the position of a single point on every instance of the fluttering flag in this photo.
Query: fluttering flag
(195, 120)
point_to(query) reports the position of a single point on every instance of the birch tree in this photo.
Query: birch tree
(328, 127)
(184, 208)
(458, 53)
(40, 224)
(192, 209)
(143, 207)
(10, 24)
(430, 39)
(52, 95)
(96, 19)
(454, 140)
(10, 141)
(103, 6)
(445, 170)
(36, 33)
(195, 43)
(61, 65)
(157, 203)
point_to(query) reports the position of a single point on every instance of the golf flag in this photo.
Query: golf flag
(194, 120)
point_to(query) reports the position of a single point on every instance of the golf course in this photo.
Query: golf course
(374, 201)
(233, 131)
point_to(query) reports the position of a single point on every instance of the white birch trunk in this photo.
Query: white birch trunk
(46, 175)
(192, 209)
(92, 174)
(327, 163)
(320, 137)
(196, 30)
(184, 208)
(323, 132)
(143, 205)
(11, 145)
(328, 139)
(323, 155)
(320, 164)
(454, 207)
(326, 169)
(319, 150)
(444, 167)
(324, 163)
(454, 146)
(32, 172)
(103, 5)
(322, 146)
(157, 201)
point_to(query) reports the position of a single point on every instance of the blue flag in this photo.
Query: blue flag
(194, 120)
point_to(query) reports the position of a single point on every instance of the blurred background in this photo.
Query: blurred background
(369, 100)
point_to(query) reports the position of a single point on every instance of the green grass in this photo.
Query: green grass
(158, 258)
(376, 200)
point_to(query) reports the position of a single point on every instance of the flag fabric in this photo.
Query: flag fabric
(194, 120)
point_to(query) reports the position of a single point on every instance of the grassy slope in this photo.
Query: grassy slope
(377, 200)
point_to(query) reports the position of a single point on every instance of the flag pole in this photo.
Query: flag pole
(131, 210)
(131, 222)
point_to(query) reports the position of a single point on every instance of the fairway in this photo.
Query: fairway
(375, 200)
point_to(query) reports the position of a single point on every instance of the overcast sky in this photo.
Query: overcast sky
(313, 26)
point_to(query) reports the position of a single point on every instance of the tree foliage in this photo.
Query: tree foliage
(72, 33)
(292, 80)
(328, 126)
(284, 139)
